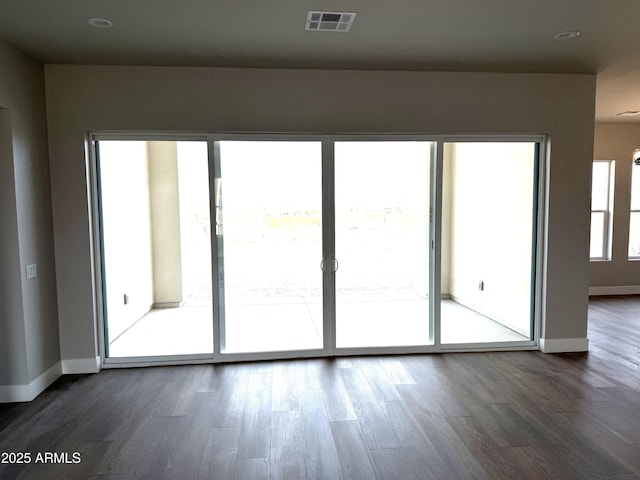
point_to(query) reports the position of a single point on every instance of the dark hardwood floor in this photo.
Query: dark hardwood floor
(452, 416)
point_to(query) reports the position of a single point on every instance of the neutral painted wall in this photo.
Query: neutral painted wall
(617, 141)
(13, 354)
(28, 308)
(81, 99)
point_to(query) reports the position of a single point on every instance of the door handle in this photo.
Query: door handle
(218, 204)
(323, 265)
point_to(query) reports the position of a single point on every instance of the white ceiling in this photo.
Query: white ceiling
(445, 35)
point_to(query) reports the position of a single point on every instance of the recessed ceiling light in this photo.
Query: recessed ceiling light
(99, 22)
(566, 35)
(629, 113)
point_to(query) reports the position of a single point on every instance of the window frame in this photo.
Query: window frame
(634, 163)
(607, 214)
(538, 285)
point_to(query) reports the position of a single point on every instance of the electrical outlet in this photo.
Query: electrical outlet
(32, 271)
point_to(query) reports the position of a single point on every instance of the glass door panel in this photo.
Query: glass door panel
(382, 194)
(269, 228)
(156, 247)
(488, 241)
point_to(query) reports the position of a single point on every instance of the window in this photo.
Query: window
(602, 209)
(634, 217)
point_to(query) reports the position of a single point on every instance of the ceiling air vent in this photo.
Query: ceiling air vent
(330, 21)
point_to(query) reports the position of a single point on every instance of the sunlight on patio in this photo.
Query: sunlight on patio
(298, 326)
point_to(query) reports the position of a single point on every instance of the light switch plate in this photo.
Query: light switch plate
(32, 271)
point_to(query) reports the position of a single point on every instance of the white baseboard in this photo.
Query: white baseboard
(617, 290)
(26, 393)
(564, 345)
(43, 381)
(81, 365)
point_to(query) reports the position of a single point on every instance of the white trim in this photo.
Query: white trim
(40, 384)
(607, 219)
(615, 290)
(564, 345)
(26, 393)
(81, 365)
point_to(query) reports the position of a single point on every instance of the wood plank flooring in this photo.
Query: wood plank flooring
(507, 415)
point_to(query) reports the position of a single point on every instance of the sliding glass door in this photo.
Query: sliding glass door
(244, 247)
(382, 198)
(156, 247)
(269, 231)
(488, 242)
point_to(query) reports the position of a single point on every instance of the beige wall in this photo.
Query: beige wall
(81, 99)
(29, 351)
(617, 141)
(165, 223)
